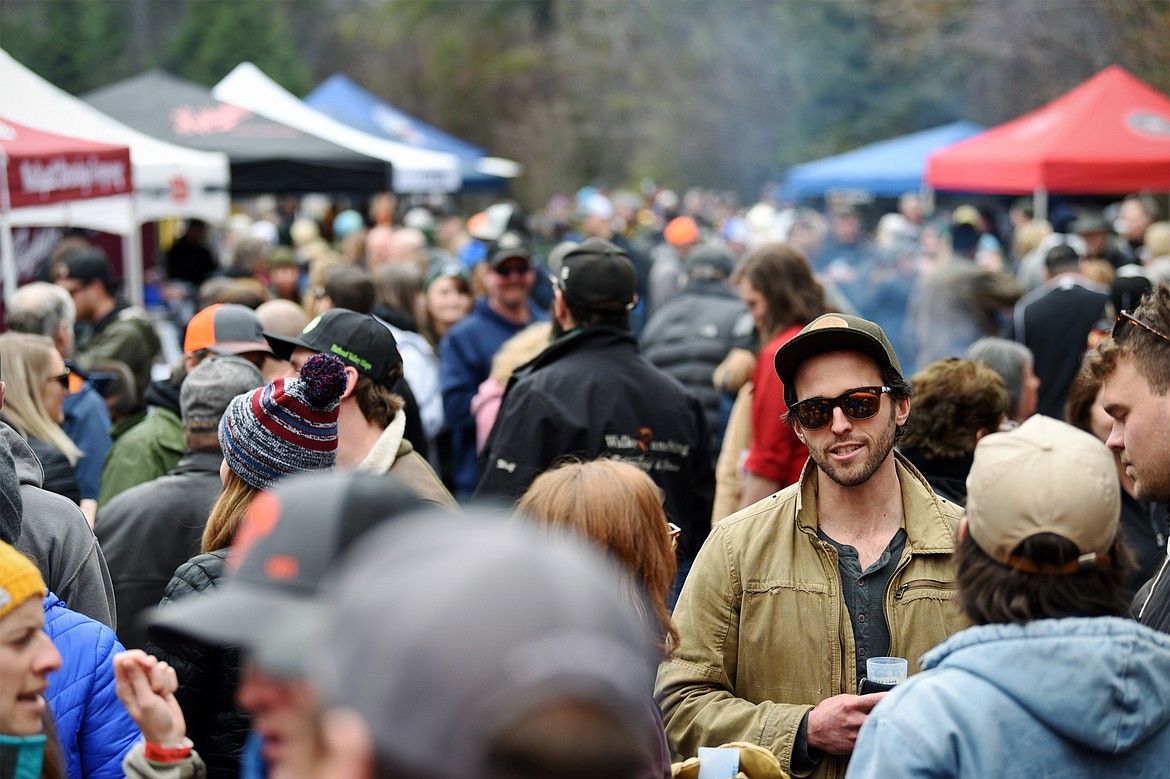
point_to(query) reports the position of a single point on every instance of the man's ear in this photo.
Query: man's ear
(1, 394)
(351, 380)
(347, 745)
(963, 527)
(561, 309)
(902, 411)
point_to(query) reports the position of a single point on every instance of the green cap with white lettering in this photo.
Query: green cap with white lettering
(360, 340)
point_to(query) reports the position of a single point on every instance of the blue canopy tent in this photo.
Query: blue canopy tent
(347, 102)
(882, 169)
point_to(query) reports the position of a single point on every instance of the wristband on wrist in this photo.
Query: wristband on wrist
(168, 754)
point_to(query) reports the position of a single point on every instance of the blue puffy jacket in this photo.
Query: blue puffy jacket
(93, 726)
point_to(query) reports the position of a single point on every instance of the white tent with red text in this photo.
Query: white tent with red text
(51, 179)
(169, 180)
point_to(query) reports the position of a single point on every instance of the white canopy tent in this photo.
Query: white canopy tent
(169, 180)
(51, 179)
(414, 170)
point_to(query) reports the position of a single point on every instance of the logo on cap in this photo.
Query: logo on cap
(510, 241)
(828, 321)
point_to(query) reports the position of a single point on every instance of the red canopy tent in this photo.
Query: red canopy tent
(51, 179)
(1110, 135)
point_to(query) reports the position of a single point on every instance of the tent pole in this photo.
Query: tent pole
(132, 258)
(1040, 203)
(927, 199)
(7, 248)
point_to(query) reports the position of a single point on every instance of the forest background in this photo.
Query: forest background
(723, 94)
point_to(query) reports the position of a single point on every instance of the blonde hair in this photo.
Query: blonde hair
(1157, 239)
(27, 362)
(228, 513)
(1029, 236)
(619, 507)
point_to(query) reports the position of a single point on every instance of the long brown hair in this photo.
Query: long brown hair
(227, 513)
(783, 276)
(619, 507)
(53, 763)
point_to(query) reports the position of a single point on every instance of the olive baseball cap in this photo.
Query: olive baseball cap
(360, 340)
(833, 333)
(1044, 476)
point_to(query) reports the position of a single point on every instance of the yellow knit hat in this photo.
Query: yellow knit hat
(19, 579)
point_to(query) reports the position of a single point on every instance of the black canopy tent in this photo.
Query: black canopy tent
(265, 156)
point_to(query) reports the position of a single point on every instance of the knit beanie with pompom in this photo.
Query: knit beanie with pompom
(286, 427)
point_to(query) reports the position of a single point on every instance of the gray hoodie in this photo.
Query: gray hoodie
(56, 535)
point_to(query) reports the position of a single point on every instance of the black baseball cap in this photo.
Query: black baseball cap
(289, 542)
(510, 244)
(598, 276)
(360, 340)
(833, 332)
(87, 265)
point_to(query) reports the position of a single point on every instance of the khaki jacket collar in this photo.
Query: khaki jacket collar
(929, 530)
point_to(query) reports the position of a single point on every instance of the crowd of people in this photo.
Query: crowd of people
(395, 493)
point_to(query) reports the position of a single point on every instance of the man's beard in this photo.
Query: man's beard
(557, 328)
(855, 474)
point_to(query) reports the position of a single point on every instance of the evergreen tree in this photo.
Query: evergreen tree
(217, 35)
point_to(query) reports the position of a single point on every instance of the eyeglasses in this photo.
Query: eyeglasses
(513, 270)
(675, 531)
(61, 378)
(1125, 318)
(858, 403)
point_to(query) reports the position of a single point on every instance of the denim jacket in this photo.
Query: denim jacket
(1077, 698)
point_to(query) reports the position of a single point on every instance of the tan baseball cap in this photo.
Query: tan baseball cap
(1044, 476)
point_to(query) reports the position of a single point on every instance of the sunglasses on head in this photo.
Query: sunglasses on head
(1126, 318)
(858, 403)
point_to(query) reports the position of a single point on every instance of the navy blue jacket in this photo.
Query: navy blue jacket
(465, 360)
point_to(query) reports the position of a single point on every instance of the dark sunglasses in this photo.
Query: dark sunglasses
(513, 270)
(858, 403)
(1125, 318)
(62, 379)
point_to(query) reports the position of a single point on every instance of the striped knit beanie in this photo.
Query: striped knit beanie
(285, 427)
(19, 579)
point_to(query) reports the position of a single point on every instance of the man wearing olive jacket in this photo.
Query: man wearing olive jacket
(790, 596)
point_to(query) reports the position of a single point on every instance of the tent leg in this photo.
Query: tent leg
(8, 258)
(132, 256)
(7, 248)
(1040, 203)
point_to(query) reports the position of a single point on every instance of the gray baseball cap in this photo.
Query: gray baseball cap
(441, 636)
(290, 539)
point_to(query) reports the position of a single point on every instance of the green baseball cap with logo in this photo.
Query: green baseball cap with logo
(360, 340)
